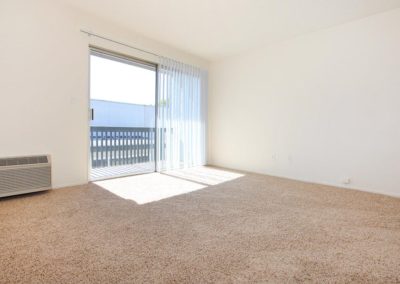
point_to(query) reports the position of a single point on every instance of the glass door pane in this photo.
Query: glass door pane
(122, 127)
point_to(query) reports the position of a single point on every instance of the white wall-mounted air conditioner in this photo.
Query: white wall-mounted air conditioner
(20, 175)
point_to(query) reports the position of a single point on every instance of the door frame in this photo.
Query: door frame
(128, 59)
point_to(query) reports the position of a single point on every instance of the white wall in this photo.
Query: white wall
(44, 81)
(321, 107)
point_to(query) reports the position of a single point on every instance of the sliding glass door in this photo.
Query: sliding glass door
(123, 116)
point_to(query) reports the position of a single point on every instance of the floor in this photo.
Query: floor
(108, 172)
(203, 225)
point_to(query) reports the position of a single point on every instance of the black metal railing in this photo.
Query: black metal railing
(115, 146)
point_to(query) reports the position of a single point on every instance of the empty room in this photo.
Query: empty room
(188, 141)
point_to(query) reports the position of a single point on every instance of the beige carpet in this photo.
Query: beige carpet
(251, 228)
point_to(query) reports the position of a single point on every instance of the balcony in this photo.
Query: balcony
(117, 151)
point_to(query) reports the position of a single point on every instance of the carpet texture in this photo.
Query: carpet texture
(255, 228)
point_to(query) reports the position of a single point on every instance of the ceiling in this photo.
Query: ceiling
(213, 29)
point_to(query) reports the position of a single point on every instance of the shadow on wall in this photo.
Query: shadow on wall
(152, 187)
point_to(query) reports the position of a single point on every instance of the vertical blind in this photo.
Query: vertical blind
(181, 117)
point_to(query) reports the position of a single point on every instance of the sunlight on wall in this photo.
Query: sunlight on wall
(156, 186)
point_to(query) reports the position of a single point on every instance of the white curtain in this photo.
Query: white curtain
(181, 115)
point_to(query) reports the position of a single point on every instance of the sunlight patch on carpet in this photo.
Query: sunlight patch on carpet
(205, 175)
(148, 187)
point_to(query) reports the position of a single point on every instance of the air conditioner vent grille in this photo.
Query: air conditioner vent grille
(24, 179)
(23, 161)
